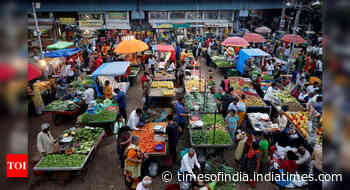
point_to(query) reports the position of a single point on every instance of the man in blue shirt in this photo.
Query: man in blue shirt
(180, 113)
(120, 98)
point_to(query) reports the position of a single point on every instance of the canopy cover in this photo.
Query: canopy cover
(254, 38)
(131, 46)
(291, 38)
(163, 48)
(235, 41)
(62, 52)
(60, 45)
(245, 54)
(33, 72)
(112, 69)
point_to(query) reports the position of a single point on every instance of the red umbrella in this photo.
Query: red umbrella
(33, 72)
(7, 72)
(235, 41)
(254, 38)
(263, 30)
(292, 38)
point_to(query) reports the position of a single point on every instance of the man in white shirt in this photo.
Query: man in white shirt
(134, 119)
(270, 92)
(304, 159)
(145, 184)
(269, 68)
(45, 141)
(237, 105)
(189, 161)
(88, 95)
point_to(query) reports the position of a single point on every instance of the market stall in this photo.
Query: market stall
(261, 123)
(164, 76)
(108, 71)
(59, 108)
(166, 55)
(283, 98)
(162, 92)
(153, 139)
(301, 122)
(244, 86)
(200, 102)
(245, 54)
(207, 130)
(77, 147)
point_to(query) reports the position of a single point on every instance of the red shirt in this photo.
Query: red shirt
(99, 61)
(143, 80)
(289, 166)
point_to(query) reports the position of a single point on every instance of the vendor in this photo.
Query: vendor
(270, 93)
(148, 114)
(134, 119)
(172, 131)
(145, 184)
(88, 95)
(180, 113)
(121, 100)
(189, 162)
(304, 160)
(45, 141)
(107, 91)
(60, 90)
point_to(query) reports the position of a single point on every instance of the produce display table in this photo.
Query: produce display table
(202, 102)
(193, 85)
(290, 101)
(221, 63)
(301, 121)
(105, 120)
(260, 122)
(164, 76)
(201, 131)
(58, 173)
(149, 139)
(64, 108)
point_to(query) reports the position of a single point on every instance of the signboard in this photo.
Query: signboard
(118, 15)
(217, 24)
(91, 23)
(160, 25)
(117, 25)
(66, 20)
(243, 13)
(181, 26)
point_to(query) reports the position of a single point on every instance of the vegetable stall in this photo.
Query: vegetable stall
(246, 54)
(162, 92)
(77, 146)
(59, 108)
(110, 71)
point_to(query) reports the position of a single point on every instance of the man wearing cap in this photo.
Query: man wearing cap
(145, 184)
(45, 141)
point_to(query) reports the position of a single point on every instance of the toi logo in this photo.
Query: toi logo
(17, 165)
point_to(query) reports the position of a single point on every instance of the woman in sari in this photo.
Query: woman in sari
(133, 162)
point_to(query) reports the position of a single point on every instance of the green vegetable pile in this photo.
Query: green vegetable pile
(61, 161)
(103, 116)
(223, 63)
(285, 97)
(199, 99)
(61, 105)
(208, 120)
(79, 84)
(207, 137)
(214, 165)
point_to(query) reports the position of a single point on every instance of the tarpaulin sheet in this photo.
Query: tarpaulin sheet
(60, 45)
(163, 48)
(62, 52)
(245, 54)
(110, 69)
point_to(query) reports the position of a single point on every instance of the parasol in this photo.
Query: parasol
(131, 46)
(235, 41)
(33, 72)
(60, 45)
(291, 38)
(7, 72)
(254, 38)
(263, 30)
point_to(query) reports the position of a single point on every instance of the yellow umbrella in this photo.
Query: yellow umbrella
(131, 46)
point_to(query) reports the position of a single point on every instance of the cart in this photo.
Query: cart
(64, 174)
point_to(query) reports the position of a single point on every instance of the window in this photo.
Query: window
(90, 16)
(226, 15)
(177, 15)
(194, 15)
(158, 15)
(211, 15)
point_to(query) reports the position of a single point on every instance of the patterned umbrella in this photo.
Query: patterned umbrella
(263, 30)
(290, 38)
(254, 38)
(235, 41)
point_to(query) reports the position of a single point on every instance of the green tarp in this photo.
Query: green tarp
(60, 45)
